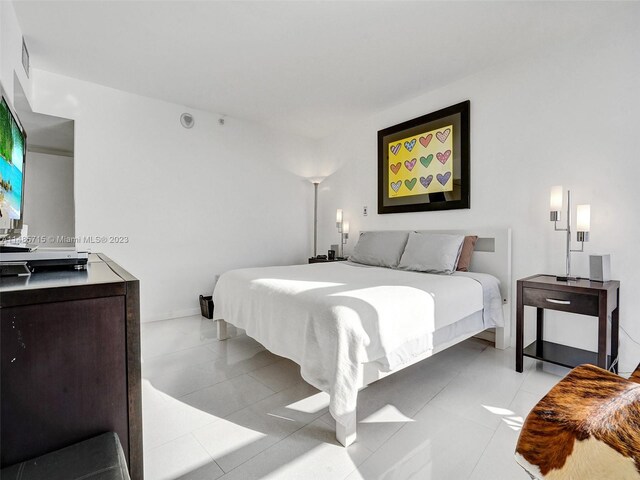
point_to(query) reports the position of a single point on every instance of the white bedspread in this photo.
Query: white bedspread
(331, 317)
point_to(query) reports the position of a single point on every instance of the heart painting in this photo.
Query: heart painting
(424, 164)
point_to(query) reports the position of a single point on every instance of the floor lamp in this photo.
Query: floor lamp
(316, 181)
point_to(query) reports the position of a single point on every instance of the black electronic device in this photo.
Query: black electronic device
(47, 259)
(11, 248)
(14, 269)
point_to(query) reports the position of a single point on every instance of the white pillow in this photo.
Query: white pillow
(431, 252)
(381, 249)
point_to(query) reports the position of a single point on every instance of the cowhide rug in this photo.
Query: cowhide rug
(587, 427)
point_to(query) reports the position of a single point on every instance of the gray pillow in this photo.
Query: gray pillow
(381, 249)
(431, 252)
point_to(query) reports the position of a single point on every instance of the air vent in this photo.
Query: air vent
(25, 57)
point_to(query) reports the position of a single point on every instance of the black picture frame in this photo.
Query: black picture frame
(399, 196)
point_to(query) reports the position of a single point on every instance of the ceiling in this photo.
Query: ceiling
(306, 67)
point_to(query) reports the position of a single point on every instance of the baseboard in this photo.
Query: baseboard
(157, 317)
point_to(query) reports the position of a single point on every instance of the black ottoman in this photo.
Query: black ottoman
(99, 458)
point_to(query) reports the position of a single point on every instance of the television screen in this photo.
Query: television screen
(12, 146)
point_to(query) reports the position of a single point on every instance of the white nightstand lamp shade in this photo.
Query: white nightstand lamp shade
(583, 222)
(555, 203)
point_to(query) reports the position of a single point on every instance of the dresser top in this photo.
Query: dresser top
(46, 286)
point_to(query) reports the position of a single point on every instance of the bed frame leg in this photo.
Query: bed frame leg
(346, 429)
(222, 330)
(502, 341)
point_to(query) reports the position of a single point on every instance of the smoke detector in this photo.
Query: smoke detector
(187, 120)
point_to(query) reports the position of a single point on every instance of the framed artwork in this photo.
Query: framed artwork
(423, 164)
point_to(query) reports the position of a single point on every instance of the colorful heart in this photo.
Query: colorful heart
(395, 148)
(443, 178)
(424, 141)
(442, 136)
(395, 168)
(410, 183)
(443, 157)
(396, 185)
(409, 145)
(426, 161)
(410, 164)
(426, 181)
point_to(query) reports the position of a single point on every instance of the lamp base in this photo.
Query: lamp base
(564, 278)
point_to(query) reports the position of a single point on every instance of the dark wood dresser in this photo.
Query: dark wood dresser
(70, 361)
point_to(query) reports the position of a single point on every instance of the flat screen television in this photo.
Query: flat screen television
(12, 165)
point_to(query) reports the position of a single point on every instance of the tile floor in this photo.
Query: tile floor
(233, 410)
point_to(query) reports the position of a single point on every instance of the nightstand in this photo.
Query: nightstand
(598, 299)
(326, 260)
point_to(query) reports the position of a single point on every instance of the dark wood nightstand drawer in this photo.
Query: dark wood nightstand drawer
(584, 304)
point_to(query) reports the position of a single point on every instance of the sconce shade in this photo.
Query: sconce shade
(345, 227)
(315, 180)
(583, 218)
(555, 203)
(339, 215)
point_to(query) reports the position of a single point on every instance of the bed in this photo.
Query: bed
(348, 325)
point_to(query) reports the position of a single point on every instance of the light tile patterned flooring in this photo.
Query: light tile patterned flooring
(233, 410)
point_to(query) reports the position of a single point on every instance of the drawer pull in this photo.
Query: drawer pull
(559, 302)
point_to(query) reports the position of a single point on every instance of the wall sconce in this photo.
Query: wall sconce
(583, 225)
(345, 236)
(343, 230)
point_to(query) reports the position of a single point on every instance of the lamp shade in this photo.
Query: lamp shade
(583, 218)
(555, 203)
(339, 215)
(345, 227)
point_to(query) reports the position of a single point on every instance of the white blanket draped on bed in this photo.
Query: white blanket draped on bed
(331, 317)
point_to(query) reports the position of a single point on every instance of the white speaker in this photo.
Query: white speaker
(599, 268)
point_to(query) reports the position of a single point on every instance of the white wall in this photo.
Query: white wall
(570, 118)
(48, 203)
(192, 203)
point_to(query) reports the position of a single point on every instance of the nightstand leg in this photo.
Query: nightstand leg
(539, 330)
(519, 332)
(615, 325)
(602, 331)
